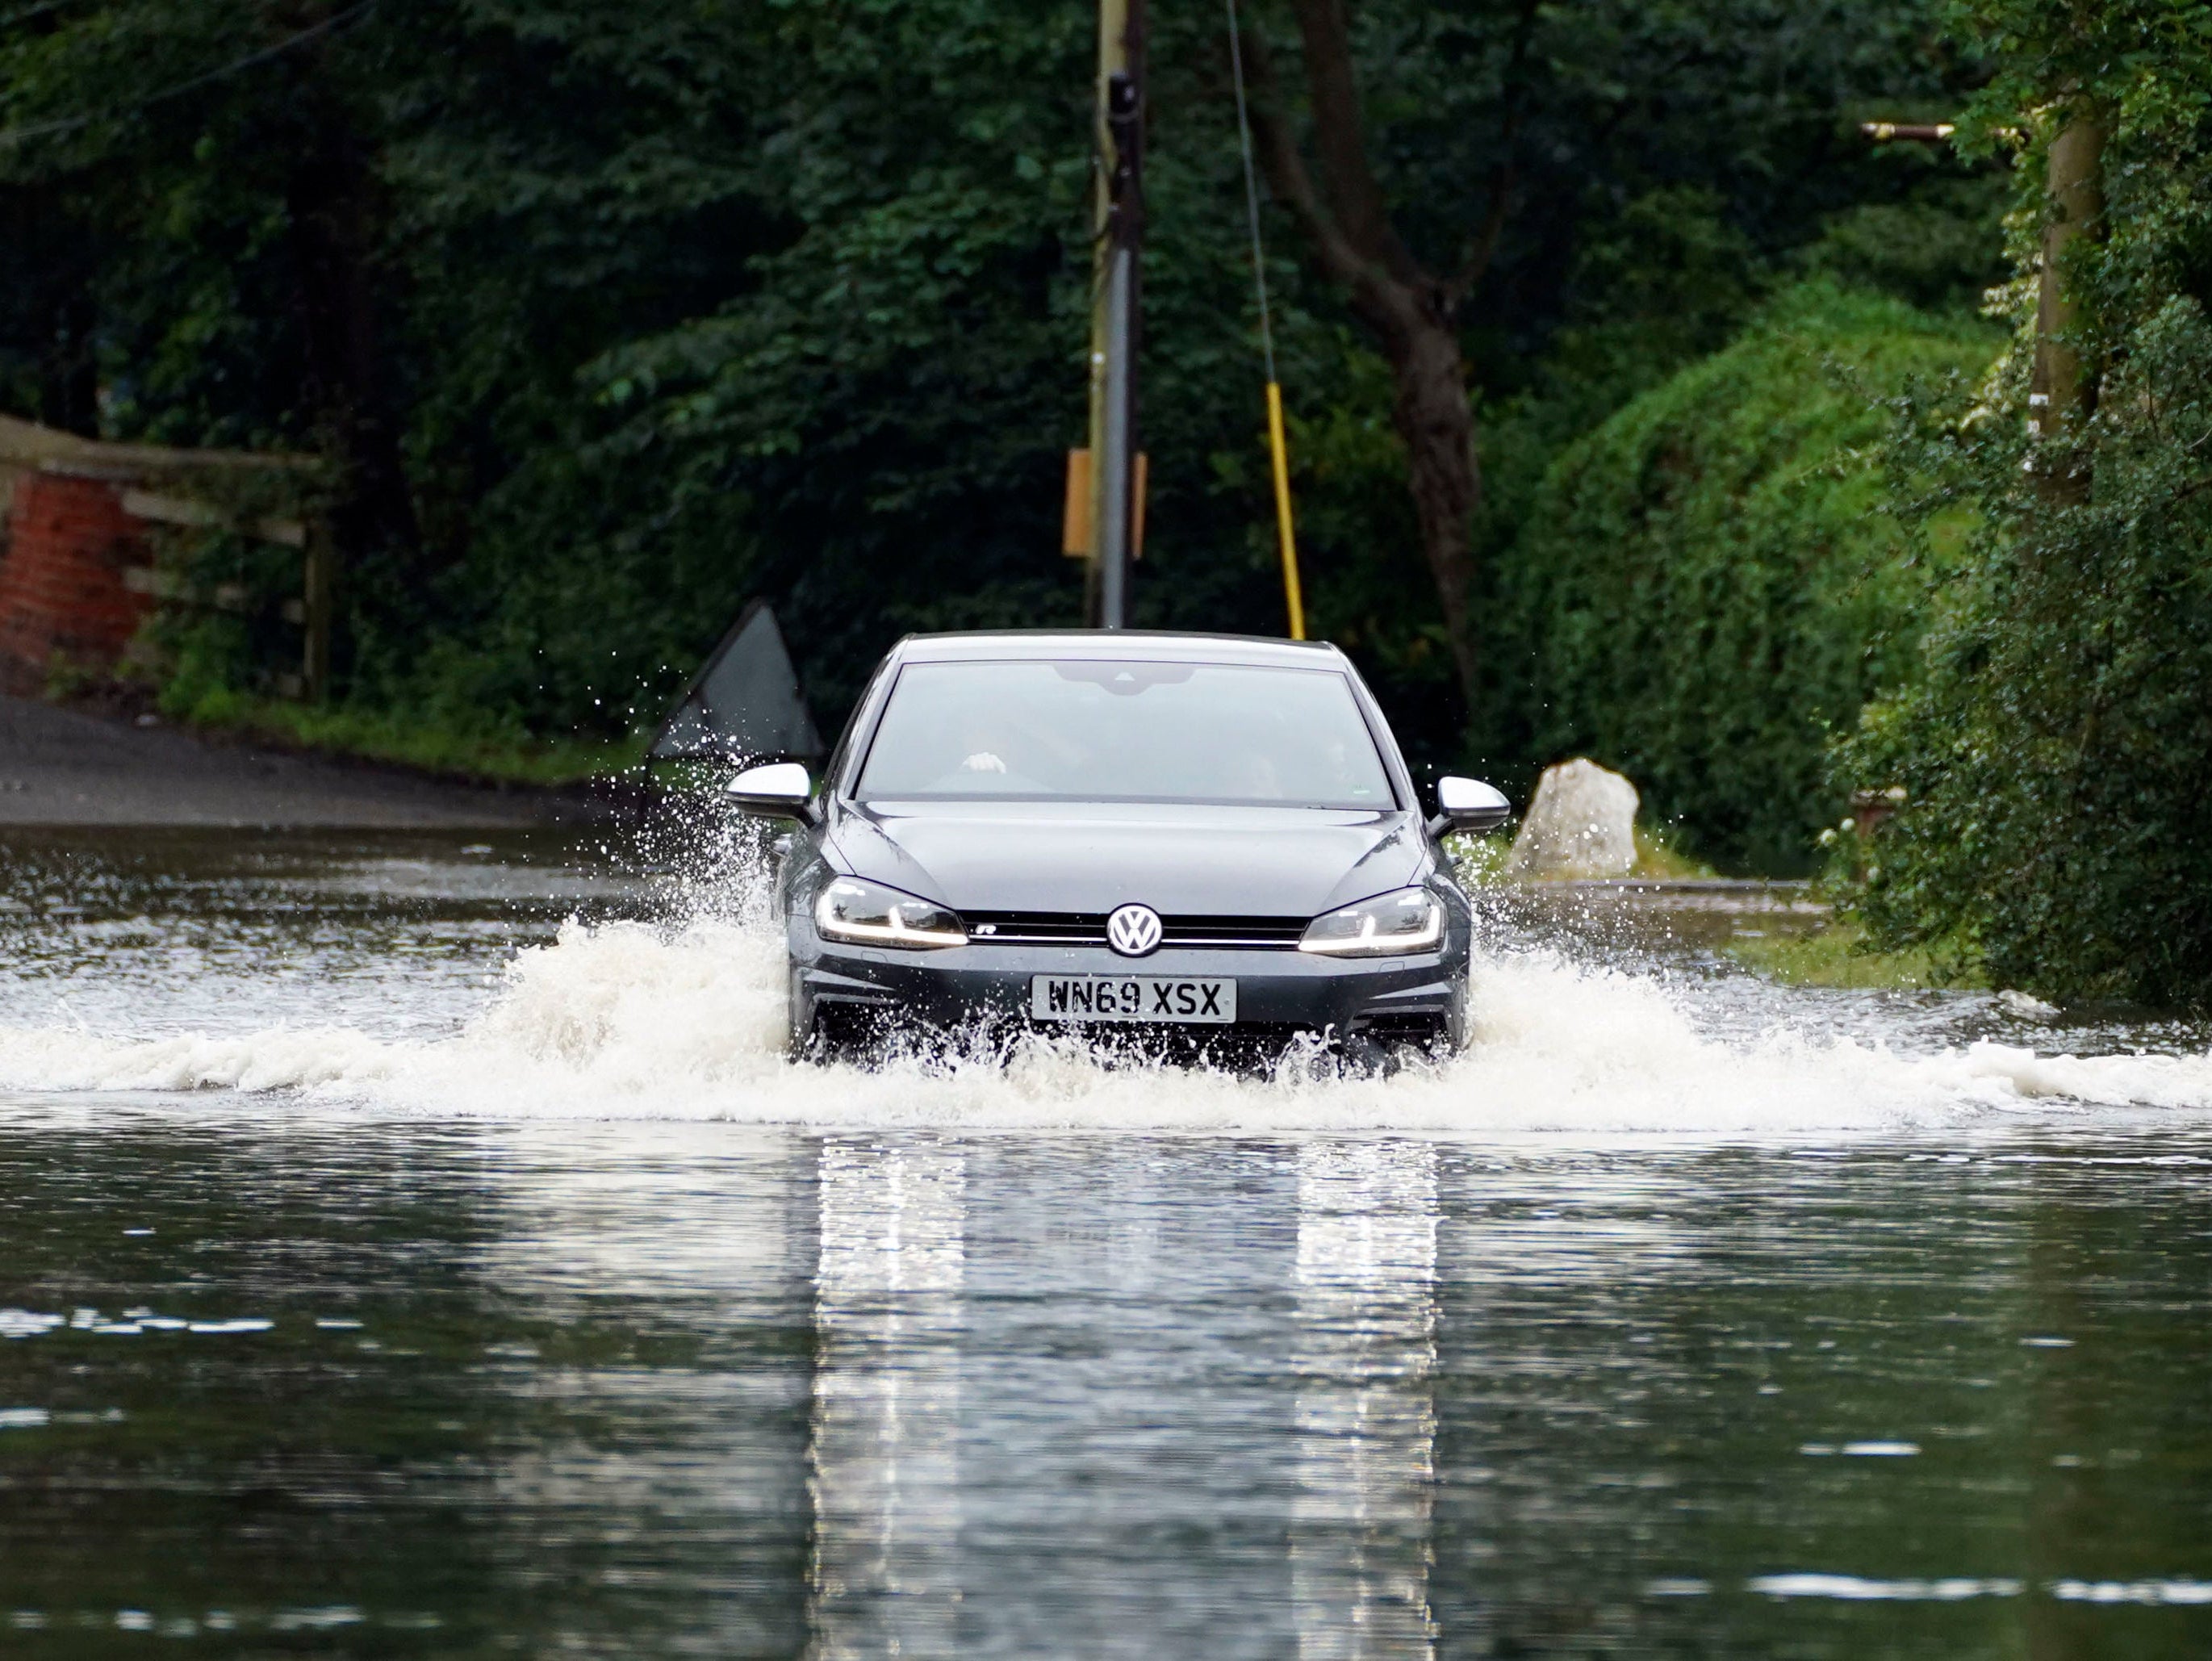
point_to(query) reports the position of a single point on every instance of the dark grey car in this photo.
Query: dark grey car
(1187, 838)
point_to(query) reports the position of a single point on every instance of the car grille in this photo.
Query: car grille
(1088, 928)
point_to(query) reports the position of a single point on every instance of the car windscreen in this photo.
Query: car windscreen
(1124, 732)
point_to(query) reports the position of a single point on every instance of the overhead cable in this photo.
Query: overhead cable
(70, 124)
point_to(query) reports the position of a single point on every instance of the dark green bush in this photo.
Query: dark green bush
(2057, 750)
(1707, 585)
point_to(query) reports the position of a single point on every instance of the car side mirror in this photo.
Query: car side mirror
(1468, 805)
(780, 790)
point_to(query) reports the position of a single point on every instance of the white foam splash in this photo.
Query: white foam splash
(628, 1020)
(1856, 1588)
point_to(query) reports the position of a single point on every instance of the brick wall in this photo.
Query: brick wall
(62, 588)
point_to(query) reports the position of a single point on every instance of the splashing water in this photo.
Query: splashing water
(623, 1018)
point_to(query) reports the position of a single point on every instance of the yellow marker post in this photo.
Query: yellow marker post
(1282, 456)
(1278, 446)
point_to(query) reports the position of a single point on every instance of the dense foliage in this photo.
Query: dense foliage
(2058, 749)
(1705, 586)
(608, 320)
(614, 317)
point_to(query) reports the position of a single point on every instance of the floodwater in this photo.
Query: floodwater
(415, 1246)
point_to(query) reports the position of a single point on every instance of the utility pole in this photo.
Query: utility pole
(1117, 238)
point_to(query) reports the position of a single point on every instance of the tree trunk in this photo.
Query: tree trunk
(1412, 314)
(1432, 416)
(69, 373)
(2062, 393)
(328, 207)
(50, 263)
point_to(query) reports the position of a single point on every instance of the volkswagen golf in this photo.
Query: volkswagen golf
(1184, 839)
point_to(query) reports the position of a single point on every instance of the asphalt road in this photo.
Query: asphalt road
(61, 768)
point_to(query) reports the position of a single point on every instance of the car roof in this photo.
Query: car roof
(1141, 645)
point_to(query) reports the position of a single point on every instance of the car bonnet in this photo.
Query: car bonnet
(1182, 860)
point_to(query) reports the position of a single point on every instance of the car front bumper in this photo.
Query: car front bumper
(1277, 989)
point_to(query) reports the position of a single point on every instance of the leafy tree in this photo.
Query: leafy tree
(392, 233)
(2058, 748)
(1506, 129)
(614, 318)
(107, 103)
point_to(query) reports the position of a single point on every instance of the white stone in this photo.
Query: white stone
(2025, 1007)
(1582, 823)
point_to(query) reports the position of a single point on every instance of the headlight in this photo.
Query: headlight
(1410, 919)
(869, 914)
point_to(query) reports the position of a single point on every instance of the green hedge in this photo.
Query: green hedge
(2056, 749)
(1706, 586)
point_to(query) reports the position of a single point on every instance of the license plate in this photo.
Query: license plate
(1132, 998)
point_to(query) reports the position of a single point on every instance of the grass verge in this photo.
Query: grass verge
(1657, 858)
(1836, 954)
(1481, 859)
(426, 745)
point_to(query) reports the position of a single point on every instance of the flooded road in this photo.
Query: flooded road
(414, 1244)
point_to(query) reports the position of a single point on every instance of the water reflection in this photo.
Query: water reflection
(609, 1390)
(1365, 1418)
(885, 1454)
(650, 1281)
